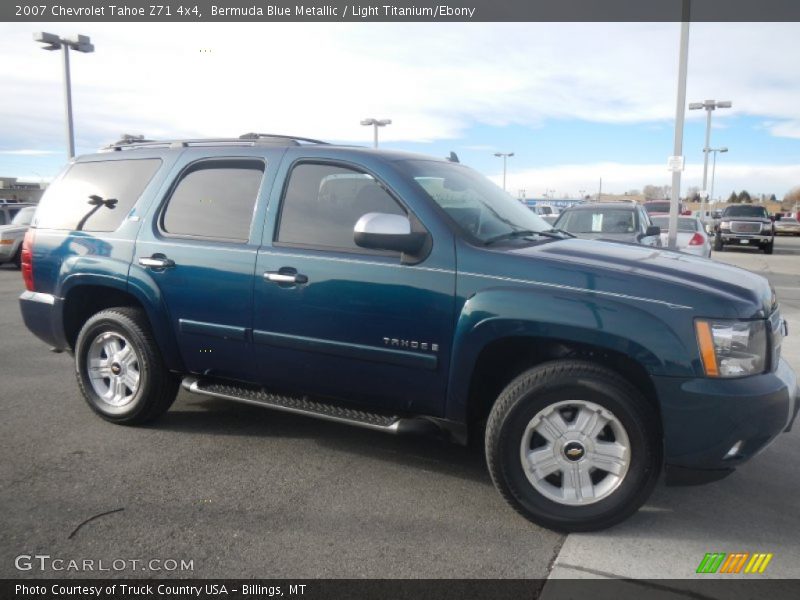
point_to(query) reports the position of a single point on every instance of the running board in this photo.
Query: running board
(302, 405)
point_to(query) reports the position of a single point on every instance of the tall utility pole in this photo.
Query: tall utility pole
(79, 43)
(506, 156)
(676, 161)
(600, 190)
(709, 106)
(375, 124)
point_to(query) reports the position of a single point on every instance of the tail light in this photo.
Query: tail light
(697, 240)
(26, 257)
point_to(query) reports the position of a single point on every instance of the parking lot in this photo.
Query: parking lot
(245, 492)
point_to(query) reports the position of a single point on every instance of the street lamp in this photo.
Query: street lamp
(376, 123)
(714, 169)
(709, 106)
(506, 156)
(79, 43)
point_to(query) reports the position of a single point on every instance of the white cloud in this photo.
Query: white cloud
(618, 178)
(434, 80)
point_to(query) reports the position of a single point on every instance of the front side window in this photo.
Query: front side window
(95, 196)
(215, 199)
(322, 204)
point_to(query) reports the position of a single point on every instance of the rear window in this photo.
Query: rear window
(685, 225)
(656, 207)
(758, 212)
(598, 221)
(95, 196)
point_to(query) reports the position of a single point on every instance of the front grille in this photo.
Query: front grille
(744, 227)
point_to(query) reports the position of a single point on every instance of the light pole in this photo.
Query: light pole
(79, 43)
(714, 170)
(376, 123)
(709, 106)
(506, 156)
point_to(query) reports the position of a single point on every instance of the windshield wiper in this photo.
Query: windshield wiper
(561, 231)
(517, 233)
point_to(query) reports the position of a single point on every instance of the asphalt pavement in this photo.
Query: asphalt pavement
(240, 491)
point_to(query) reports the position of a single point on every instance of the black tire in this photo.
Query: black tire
(156, 388)
(769, 247)
(718, 245)
(17, 260)
(542, 387)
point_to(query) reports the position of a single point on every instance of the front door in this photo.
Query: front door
(333, 319)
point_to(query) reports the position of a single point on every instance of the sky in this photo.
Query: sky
(575, 102)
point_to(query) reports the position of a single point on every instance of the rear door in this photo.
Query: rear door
(198, 253)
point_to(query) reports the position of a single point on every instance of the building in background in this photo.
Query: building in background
(13, 190)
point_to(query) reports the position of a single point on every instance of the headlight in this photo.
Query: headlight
(725, 225)
(732, 348)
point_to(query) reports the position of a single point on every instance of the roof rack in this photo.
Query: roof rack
(131, 142)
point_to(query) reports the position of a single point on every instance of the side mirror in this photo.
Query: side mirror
(652, 230)
(382, 231)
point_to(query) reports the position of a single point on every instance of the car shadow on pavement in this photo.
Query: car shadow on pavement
(221, 417)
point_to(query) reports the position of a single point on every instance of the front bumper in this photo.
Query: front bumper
(745, 238)
(713, 425)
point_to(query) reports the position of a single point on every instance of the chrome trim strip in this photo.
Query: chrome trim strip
(226, 332)
(576, 289)
(38, 297)
(360, 262)
(401, 358)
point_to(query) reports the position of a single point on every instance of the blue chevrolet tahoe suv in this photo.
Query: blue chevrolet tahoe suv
(404, 293)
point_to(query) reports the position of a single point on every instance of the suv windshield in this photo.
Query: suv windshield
(746, 211)
(474, 203)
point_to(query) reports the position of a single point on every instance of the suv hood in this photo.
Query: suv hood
(747, 219)
(705, 285)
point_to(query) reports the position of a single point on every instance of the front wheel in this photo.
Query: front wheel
(718, 243)
(573, 446)
(768, 248)
(119, 369)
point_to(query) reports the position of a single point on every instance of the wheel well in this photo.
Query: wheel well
(86, 300)
(504, 359)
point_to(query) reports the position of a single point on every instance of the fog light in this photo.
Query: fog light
(734, 451)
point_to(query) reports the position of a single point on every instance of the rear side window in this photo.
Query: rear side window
(95, 196)
(322, 204)
(215, 199)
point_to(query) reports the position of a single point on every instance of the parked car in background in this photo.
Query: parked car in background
(692, 236)
(615, 221)
(11, 235)
(746, 225)
(9, 208)
(787, 226)
(661, 207)
(544, 210)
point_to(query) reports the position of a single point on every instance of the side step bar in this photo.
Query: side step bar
(303, 405)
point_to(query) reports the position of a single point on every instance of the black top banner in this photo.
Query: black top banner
(397, 10)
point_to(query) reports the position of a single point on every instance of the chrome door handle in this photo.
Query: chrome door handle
(156, 262)
(278, 277)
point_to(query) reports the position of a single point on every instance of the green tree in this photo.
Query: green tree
(733, 198)
(744, 197)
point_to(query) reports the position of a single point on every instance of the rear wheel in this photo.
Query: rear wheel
(573, 446)
(119, 369)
